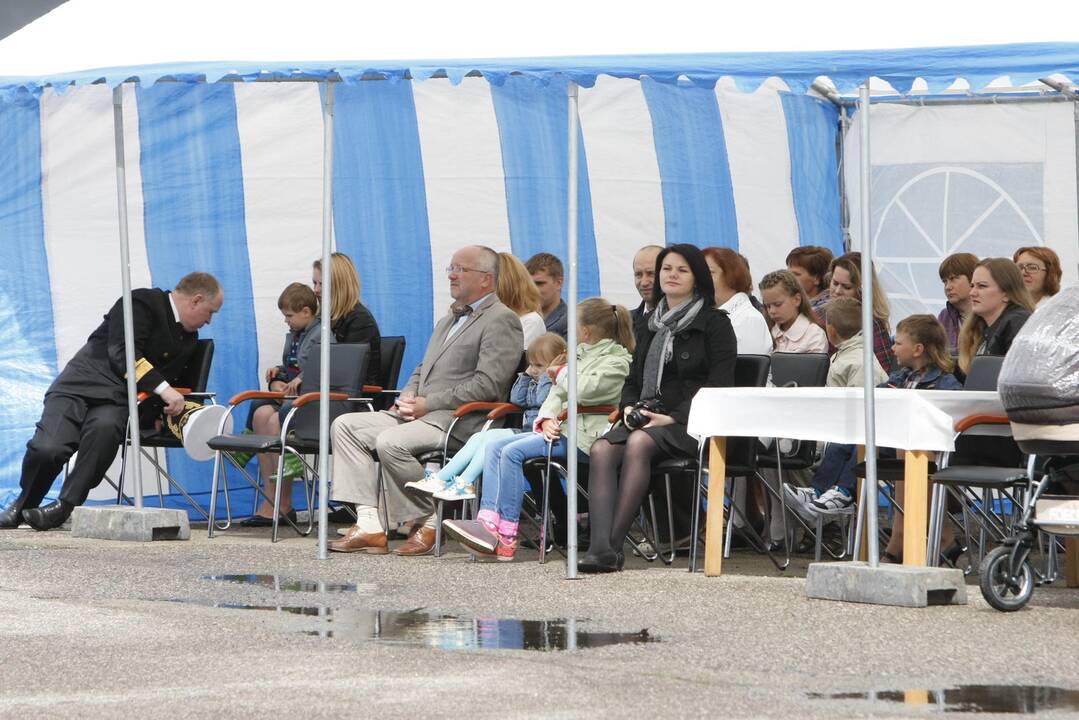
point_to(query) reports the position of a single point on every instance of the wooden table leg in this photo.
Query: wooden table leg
(1071, 562)
(713, 531)
(915, 504)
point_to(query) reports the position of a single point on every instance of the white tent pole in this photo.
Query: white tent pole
(571, 341)
(867, 335)
(325, 330)
(134, 466)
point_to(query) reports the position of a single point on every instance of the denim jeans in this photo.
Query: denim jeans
(836, 468)
(467, 464)
(503, 474)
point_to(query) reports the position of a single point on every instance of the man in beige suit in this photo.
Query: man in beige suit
(472, 356)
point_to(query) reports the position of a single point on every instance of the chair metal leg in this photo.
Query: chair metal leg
(439, 505)
(545, 513)
(696, 516)
(160, 492)
(670, 516)
(859, 521)
(731, 488)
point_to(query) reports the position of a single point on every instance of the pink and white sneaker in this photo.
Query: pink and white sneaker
(506, 548)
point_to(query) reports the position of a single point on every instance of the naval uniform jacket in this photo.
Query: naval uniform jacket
(162, 350)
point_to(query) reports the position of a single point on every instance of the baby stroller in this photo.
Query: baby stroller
(1039, 387)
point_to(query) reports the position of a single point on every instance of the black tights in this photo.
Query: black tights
(614, 497)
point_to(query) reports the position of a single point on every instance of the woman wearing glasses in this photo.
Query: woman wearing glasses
(1040, 268)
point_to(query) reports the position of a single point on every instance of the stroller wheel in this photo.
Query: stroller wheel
(998, 587)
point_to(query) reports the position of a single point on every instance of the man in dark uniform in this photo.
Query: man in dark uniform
(86, 406)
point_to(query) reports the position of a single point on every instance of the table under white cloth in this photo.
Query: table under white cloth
(906, 419)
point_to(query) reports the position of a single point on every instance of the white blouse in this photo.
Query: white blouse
(750, 327)
(533, 326)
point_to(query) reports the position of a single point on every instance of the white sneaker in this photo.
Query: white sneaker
(832, 500)
(800, 500)
(457, 491)
(431, 483)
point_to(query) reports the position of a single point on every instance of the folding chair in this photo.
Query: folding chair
(999, 486)
(191, 383)
(299, 431)
(793, 370)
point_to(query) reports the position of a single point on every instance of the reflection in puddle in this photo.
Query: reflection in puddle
(1019, 699)
(446, 632)
(462, 632)
(284, 584)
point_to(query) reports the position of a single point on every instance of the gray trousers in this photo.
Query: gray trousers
(358, 438)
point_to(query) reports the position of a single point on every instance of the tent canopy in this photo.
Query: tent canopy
(938, 67)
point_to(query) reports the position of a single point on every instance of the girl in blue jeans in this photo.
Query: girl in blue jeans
(456, 480)
(605, 340)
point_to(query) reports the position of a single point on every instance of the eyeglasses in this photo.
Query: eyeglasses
(458, 269)
(1029, 268)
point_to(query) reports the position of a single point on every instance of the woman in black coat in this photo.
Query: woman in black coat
(350, 320)
(686, 344)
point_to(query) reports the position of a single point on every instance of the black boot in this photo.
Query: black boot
(12, 516)
(49, 517)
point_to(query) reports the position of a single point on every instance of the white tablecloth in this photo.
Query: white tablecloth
(906, 419)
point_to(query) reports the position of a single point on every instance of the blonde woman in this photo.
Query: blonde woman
(350, 320)
(519, 293)
(846, 272)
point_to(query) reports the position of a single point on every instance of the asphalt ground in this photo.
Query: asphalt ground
(108, 629)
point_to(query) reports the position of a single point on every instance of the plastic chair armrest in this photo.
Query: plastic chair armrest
(590, 410)
(473, 407)
(311, 397)
(972, 420)
(504, 409)
(255, 395)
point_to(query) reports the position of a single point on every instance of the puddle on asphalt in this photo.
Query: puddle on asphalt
(462, 632)
(1015, 699)
(286, 584)
(419, 628)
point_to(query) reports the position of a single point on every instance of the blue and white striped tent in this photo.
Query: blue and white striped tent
(224, 175)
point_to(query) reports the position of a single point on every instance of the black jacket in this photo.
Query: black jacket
(703, 356)
(162, 349)
(998, 336)
(359, 326)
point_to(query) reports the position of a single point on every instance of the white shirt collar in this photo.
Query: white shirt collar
(175, 312)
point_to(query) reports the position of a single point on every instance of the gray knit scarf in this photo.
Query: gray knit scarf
(665, 323)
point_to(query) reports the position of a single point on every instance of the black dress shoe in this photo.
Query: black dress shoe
(259, 521)
(48, 517)
(601, 562)
(11, 518)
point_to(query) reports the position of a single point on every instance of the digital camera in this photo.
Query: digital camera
(635, 420)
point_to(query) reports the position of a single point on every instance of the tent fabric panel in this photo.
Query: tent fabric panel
(626, 191)
(939, 66)
(760, 166)
(28, 359)
(812, 129)
(532, 126)
(380, 209)
(280, 132)
(984, 179)
(698, 200)
(462, 173)
(193, 191)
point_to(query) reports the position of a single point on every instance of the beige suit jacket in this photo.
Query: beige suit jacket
(477, 364)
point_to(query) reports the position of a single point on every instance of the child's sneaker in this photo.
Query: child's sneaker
(800, 500)
(832, 500)
(459, 490)
(473, 534)
(431, 483)
(506, 548)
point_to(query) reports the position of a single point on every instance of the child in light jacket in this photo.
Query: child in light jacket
(605, 341)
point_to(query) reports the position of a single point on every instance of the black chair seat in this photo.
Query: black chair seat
(981, 476)
(889, 469)
(675, 466)
(1049, 447)
(792, 463)
(429, 457)
(245, 443)
(159, 438)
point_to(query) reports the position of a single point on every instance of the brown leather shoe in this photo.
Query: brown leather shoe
(355, 540)
(420, 542)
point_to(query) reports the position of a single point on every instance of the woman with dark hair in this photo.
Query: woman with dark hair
(686, 344)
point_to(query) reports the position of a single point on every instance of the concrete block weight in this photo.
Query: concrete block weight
(115, 522)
